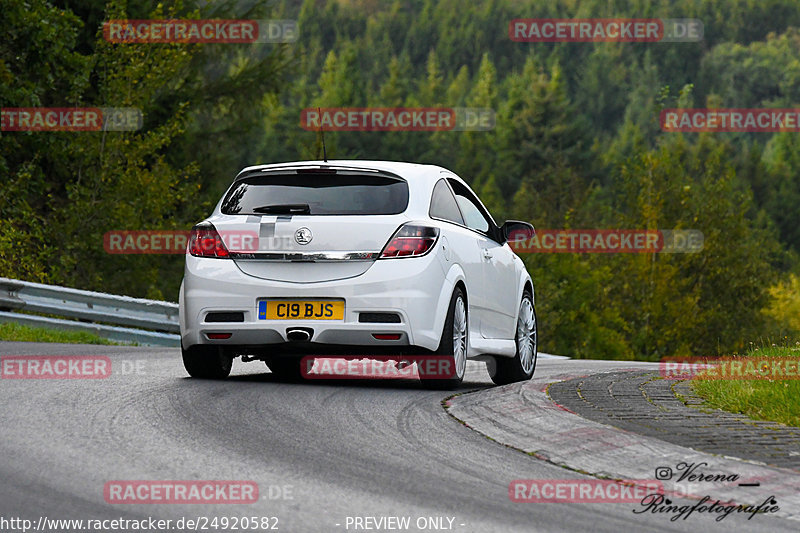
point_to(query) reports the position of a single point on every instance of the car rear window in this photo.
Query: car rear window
(324, 194)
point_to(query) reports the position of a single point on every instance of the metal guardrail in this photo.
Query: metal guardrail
(88, 307)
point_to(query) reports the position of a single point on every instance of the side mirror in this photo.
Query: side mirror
(516, 231)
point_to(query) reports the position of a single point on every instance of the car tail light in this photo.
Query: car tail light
(205, 241)
(411, 240)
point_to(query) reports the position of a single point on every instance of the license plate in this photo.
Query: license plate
(300, 310)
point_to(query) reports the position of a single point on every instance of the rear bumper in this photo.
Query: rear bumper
(410, 287)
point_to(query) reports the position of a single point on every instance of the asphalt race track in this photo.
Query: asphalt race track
(322, 453)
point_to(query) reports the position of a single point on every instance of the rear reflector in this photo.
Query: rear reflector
(387, 336)
(204, 241)
(218, 336)
(411, 240)
(379, 318)
(225, 317)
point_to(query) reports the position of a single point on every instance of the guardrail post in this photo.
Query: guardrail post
(8, 295)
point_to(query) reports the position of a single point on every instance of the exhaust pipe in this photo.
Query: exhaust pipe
(299, 334)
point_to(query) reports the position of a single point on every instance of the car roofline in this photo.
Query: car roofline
(255, 171)
(412, 171)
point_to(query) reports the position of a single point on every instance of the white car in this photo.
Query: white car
(368, 258)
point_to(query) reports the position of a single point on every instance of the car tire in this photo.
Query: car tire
(287, 368)
(523, 364)
(207, 362)
(454, 343)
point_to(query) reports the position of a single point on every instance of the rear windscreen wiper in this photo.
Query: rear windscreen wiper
(284, 209)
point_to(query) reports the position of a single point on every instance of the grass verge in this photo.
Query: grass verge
(10, 331)
(775, 400)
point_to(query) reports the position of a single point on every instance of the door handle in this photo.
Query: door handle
(487, 254)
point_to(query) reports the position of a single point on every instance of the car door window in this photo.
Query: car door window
(474, 217)
(443, 204)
